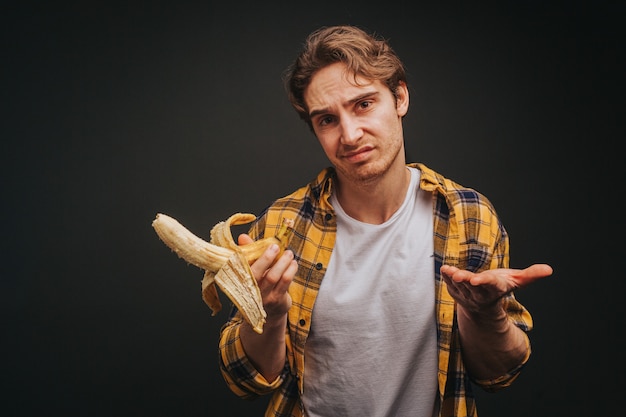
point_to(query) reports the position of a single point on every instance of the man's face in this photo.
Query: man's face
(358, 126)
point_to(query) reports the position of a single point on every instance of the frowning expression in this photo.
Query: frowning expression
(358, 122)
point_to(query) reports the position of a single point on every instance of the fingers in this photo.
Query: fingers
(534, 272)
(525, 275)
(273, 276)
(477, 290)
(268, 273)
(537, 271)
(448, 269)
(456, 274)
(282, 273)
(265, 261)
(274, 282)
(244, 239)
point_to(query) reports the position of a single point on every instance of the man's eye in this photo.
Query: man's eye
(323, 121)
(365, 104)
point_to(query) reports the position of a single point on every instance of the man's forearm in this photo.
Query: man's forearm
(492, 345)
(266, 351)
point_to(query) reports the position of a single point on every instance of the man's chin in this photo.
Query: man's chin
(362, 175)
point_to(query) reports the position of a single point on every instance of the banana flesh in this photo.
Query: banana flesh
(226, 265)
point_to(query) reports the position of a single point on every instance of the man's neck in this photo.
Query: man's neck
(376, 201)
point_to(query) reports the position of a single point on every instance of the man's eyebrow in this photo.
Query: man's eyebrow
(356, 99)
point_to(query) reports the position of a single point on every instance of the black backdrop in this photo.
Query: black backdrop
(113, 112)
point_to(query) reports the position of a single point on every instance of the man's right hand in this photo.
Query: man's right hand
(273, 280)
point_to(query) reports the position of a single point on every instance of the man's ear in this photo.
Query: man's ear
(402, 99)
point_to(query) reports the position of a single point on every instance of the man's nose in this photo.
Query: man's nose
(350, 130)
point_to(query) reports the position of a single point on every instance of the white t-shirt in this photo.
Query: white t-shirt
(372, 349)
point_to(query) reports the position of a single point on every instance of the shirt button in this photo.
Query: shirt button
(328, 216)
(302, 322)
(319, 266)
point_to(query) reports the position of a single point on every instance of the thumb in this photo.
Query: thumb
(535, 271)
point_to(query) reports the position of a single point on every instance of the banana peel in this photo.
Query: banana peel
(226, 265)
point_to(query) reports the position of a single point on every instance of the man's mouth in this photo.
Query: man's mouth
(358, 155)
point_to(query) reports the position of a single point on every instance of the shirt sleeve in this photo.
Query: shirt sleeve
(516, 313)
(241, 376)
(503, 381)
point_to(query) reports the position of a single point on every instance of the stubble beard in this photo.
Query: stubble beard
(370, 172)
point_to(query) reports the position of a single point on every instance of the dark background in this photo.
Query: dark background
(113, 112)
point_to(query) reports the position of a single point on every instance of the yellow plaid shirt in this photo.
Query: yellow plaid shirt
(467, 234)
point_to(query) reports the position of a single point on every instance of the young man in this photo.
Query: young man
(396, 291)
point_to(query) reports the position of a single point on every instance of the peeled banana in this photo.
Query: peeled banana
(225, 263)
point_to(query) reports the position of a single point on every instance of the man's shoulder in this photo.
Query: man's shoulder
(307, 199)
(454, 192)
(317, 188)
